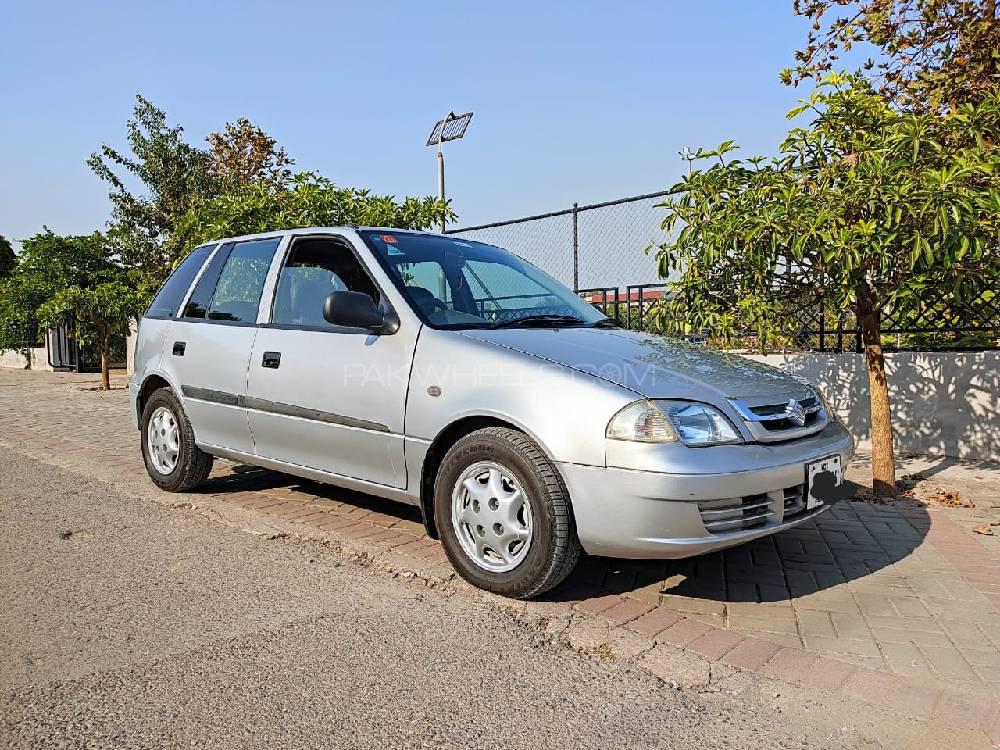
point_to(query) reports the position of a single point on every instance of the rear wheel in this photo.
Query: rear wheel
(173, 461)
(505, 517)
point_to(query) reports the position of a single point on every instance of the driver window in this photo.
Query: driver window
(316, 267)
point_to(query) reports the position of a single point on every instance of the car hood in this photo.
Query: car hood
(653, 366)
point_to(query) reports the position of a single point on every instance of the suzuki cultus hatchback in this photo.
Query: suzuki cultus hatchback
(457, 377)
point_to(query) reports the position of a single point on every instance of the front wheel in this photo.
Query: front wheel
(173, 461)
(505, 517)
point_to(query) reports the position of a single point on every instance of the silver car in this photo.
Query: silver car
(455, 376)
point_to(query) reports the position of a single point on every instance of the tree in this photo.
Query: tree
(98, 314)
(47, 263)
(7, 257)
(934, 54)
(241, 183)
(173, 175)
(868, 209)
(15, 329)
(68, 279)
(19, 330)
(56, 261)
(305, 200)
(243, 153)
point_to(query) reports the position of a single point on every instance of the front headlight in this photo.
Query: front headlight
(699, 424)
(665, 421)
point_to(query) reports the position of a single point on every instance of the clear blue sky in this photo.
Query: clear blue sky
(573, 101)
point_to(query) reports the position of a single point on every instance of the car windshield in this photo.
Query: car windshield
(455, 283)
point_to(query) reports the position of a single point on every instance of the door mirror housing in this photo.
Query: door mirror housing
(358, 310)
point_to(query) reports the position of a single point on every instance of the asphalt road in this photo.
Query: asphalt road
(124, 623)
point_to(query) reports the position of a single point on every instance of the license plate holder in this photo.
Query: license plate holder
(815, 469)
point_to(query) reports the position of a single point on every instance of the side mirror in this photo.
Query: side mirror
(358, 310)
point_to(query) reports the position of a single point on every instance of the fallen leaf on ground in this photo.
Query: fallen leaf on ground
(983, 529)
(940, 496)
(950, 497)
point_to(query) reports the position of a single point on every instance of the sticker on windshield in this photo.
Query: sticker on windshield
(389, 239)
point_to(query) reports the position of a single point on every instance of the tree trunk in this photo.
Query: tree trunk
(883, 456)
(105, 364)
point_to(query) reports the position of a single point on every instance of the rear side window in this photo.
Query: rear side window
(197, 304)
(237, 295)
(168, 299)
(231, 287)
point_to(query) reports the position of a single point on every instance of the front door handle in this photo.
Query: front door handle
(179, 347)
(272, 360)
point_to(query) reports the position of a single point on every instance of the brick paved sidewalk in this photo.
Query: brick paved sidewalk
(894, 604)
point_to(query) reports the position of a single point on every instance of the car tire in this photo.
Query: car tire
(523, 470)
(190, 465)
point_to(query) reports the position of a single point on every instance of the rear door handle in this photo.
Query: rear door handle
(272, 360)
(179, 347)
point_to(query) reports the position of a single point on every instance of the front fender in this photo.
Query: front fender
(564, 411)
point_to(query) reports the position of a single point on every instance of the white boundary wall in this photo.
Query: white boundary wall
(13, 359)
(945, 404)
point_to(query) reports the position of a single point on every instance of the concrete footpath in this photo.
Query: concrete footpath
(880, 614)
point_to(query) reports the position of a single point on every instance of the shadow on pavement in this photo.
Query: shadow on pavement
(851, 541)
(243, 478)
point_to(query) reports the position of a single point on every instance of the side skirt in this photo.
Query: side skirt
(339, 480)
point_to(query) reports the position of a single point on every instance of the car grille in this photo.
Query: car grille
(776, 414)
(732, 514)
(783, 420)
(795, 501)
(751, 511)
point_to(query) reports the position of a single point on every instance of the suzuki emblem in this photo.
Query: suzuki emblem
(796, 413)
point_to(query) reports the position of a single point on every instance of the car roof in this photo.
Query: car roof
(316, 230)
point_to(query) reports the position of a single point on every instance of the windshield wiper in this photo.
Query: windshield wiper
(605, 323)
(540, 321)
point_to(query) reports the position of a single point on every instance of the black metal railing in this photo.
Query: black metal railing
(973, 325)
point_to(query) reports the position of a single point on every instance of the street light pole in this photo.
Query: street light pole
(451, 128)
(689, 156)
(441, 193)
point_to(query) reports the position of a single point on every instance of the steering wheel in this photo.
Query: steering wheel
(432, 304)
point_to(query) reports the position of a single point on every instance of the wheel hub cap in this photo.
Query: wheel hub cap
(163, 439)
(492, 517)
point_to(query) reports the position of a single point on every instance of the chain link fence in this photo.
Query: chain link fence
(600, 250)
(592, 247)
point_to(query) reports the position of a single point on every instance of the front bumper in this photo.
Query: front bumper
(631, 513)
(133, 399)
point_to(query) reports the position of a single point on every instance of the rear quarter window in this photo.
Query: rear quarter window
(241, 283)
(168, 300)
